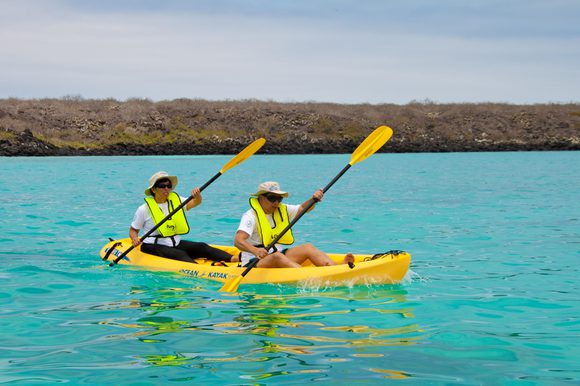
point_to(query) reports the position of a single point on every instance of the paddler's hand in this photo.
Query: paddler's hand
(260, 253)
(317, 196)
(195, 193)
(134, 236)
(196, 198)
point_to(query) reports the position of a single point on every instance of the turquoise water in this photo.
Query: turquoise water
(492, 296)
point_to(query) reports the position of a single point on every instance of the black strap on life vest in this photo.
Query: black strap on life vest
(274, 249)
(163, 237)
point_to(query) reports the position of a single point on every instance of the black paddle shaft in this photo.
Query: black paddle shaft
(310, 205)
(165, 219)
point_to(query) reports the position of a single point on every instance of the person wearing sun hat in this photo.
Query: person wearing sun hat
(264, 221)
(158, 177)
(166, 241)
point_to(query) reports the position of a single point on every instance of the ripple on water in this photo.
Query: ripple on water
(492, 293)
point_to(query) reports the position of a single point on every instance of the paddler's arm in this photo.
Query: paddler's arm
(134, 235)
(196, 194)
(317, 197)
(240, 241)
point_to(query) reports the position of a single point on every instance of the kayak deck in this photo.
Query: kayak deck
(382, 268)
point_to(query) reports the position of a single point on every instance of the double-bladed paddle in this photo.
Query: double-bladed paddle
(368, 147)
(238, 159)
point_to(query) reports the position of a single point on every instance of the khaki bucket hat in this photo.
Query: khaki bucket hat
(270, 187)
(160, 176)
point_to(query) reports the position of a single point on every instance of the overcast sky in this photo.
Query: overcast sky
(343, 51)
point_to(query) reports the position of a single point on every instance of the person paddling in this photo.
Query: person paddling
(262, 223)
(166, 240)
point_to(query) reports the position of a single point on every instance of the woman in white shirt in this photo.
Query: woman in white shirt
(166, 240)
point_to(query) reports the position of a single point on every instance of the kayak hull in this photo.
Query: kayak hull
(384, 268)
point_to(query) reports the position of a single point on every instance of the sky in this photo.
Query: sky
(338, 51)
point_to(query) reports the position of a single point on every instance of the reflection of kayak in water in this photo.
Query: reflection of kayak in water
(389, 267)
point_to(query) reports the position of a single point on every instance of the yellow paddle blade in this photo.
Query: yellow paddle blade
(244, 154)
(232, 284)
(371, 144)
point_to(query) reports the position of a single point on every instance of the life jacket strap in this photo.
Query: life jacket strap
(157, 237)
(274, 249)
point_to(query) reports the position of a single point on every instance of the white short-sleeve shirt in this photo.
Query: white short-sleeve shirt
(249, 225)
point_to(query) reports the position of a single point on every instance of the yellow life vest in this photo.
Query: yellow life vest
(281, 221)
(177, 224)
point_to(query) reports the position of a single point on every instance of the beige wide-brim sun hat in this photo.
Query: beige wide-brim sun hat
(160, 176)
(270, 187)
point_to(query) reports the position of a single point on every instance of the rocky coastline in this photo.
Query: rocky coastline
(78, 127)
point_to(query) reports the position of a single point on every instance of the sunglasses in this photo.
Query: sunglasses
(273, 197)
(164, 185)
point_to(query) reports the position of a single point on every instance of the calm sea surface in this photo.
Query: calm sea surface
(492, 296)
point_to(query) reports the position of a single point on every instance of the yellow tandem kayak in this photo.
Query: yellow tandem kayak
(381, 268)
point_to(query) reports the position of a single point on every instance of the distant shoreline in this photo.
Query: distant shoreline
(73, 127)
